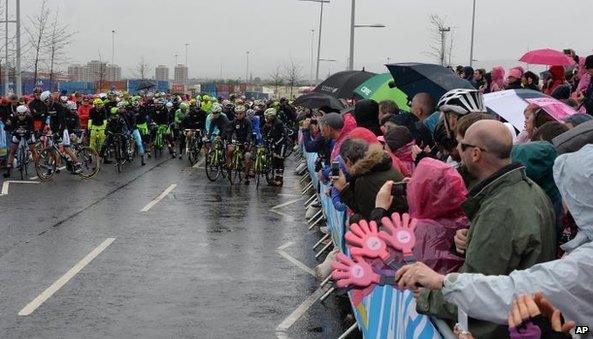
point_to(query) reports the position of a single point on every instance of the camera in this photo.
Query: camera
(318, 164)
(399, 189)
(335, 169)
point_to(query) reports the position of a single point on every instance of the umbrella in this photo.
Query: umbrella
(510, 105)
(378, 89)
(145, 84)
(341, 85)
(318, 100)
(547, 56)
(414, 78)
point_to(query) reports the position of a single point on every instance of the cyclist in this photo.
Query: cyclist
(21, 126)
(161, 118)
(130, 117)
(240, 130)
(275, 136)
(97, 123)
(111, 101)
(255, 126)
(69, 123)
(180, 114)
(38, 108)
(194, 122)
(115, 124)
(216, 123)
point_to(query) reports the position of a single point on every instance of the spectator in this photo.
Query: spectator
(535, 117)
(549, 131)
(370, 167)
(331, 126)
(387, 107)
(525, 238)
(530, 81)
(498, 83)
(316, 142)
(557, 78)
(366, 113)
(399, 144)
(83, 112)
(421, 108)
(565, 282)
(576, 119)
(480, 81)
(514, 78)
(586, 98)
(462, 126)
(468, 74)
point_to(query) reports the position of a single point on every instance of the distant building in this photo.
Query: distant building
(161, 73)
(76, 72)
(180, 76)
(113, 73)
(95, 70)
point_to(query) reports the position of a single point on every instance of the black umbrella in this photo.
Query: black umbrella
(318, 100)
(414, 78)
(145, 84)
(341, 85)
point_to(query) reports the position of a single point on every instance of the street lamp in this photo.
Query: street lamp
(247, 69)
(312, 57)
(352, 27)
(112, 46)
(321, 2)
(471, 49)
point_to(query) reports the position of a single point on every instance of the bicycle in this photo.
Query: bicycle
(235, 170)
(215, 159)
(158, 143)
(262, 165)
(50, 155)
(193, 145)
(123, 150)
(23, 155)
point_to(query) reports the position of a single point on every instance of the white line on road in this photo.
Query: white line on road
(159, 198)
(7, 183)
(199, 163)
(36, 177)
(289, 218)
(299, 312)
(296, 262)
(285, 246)
(33, 305)
(287, 203)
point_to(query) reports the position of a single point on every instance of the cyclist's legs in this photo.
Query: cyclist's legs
(67, 148)
(97, 138)
(230, 149)
(107, 143)
(12, 150)
(182, 141)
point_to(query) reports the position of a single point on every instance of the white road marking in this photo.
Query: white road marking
(199, 163)
(36, 177)
(287, 203)
(296, 262)
(7, 183)
(285, 246)
(289, 218)
(159, 198)
(33, 305)
(299, 312)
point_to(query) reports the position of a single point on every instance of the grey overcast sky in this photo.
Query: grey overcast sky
(219, 32)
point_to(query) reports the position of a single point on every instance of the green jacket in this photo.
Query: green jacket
(179, 115)
(368, 176)
(512, 228)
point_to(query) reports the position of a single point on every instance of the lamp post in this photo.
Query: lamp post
(112, 46)
(321, 2)
(247, 69)
(312, 57)
(471, 49)
(352, 27)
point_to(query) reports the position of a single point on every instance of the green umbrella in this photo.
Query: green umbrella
(377, 88)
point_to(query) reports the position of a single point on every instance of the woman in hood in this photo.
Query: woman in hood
(557, 78)
(498, 83)
(399, 143)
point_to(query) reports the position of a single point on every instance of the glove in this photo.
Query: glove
(401, 233)
(357, 272)
(364, 241)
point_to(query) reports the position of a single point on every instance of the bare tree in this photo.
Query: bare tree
(36, 31)
(102, 71)
(142, 69)
(59, 38)
(438, 38)
(277, 78)
(292, 74)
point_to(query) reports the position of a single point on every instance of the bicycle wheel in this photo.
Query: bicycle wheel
(45, 166)
(212, 166)
(20, 161)
(118, 155)
(269, 170)
(89, 160)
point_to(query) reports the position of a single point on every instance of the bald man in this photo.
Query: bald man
(512, 220)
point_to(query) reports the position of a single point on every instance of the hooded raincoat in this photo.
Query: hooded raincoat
(566, 283)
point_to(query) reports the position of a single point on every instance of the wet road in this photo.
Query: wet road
(203, 262)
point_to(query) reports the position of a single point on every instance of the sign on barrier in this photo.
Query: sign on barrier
(381, 312)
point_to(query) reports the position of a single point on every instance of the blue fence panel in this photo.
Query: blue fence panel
(385, 313)
(77, 86)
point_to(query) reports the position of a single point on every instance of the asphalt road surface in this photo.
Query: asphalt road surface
(102, 258)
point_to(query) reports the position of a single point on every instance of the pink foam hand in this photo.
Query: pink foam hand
(400, 233)
(363, 241)
(358, 272)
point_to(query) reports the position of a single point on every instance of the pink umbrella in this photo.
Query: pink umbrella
(547, 56)
(556, 109)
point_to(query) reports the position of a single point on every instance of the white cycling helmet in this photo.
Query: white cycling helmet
(462, 101)
(22, 109)
(45, 95)
(216, 108)
(169, 104)
(71, 105)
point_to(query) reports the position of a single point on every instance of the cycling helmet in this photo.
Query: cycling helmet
(270, 112)
(64, 99)
(122, 103)
(205, 98)
(169, 104)
(216, 108)
(183, 106)
(240, 109)
(114, 110)
(45, 95)
(250, 113)
(71, 105)
(97, 102)
(462, 101)
(22, 110)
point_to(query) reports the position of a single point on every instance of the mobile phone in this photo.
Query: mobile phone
(335, 169)
(462, 320)
(399, 189)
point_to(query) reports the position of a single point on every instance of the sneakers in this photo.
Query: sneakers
(324, 269)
